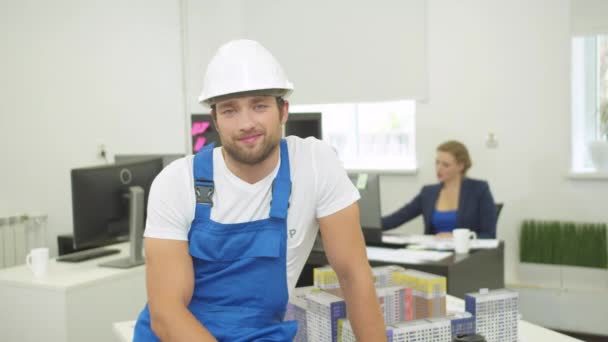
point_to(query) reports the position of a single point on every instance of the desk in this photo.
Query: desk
(528, 332)
(482, 268)
(75, 302)
(124, 331)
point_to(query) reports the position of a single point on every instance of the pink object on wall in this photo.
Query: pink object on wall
(200, 142)
(199, 127)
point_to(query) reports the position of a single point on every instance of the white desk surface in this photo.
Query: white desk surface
(528, 332)
(65, 275)
(124, 330)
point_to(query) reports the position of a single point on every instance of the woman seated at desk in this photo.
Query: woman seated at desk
(455, 202)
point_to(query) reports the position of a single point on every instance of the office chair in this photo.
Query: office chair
(498, 209)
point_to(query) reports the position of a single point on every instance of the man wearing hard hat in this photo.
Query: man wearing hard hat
(229, 230)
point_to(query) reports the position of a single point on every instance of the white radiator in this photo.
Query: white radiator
(19, 234)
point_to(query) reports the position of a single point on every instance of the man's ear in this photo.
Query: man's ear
(214, 119)
(285, 112)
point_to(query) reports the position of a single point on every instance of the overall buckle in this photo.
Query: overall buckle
(204, 190)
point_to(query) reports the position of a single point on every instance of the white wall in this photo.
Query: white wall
(335, 55)
(503, 67)
(76, 74)
(209, 24)
(495, 66)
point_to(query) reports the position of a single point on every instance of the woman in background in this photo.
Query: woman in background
(455, 202)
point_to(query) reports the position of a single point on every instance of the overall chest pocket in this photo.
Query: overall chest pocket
(217, 246)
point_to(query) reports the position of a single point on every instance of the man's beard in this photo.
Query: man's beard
(252, 157)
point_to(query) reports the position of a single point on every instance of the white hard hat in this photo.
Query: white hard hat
(243, 66)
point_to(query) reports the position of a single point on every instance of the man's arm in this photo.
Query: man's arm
(170, 283)
(345, 249)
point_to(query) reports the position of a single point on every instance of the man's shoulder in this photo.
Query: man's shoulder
(176, 170)
(296, 143)
(311, 158)
(303, 150)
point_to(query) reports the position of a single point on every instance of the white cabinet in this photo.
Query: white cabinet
(75, 302)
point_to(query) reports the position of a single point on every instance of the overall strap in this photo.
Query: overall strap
(281, 186)
(203, 181)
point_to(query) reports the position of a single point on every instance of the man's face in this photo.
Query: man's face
(250, 127)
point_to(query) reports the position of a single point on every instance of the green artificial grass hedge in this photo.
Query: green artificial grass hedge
(563, 243)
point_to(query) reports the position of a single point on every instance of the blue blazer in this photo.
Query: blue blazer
(476, 209)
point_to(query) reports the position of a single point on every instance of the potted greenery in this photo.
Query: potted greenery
(563, 266)
(557, 254)
(598, 149)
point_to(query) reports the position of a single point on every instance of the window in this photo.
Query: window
(369, 136)
(589, 97)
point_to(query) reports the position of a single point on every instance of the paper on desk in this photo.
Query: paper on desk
(404, 255)
(484, 244)
(395, 239)
(433, 242)
(407, 239)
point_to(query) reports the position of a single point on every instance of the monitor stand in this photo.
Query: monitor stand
(136, 230)
(373, 236)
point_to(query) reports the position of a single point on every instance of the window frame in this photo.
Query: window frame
(585, 104)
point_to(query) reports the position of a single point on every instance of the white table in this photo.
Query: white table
(75, 302)
(528, 332)
(124, 330)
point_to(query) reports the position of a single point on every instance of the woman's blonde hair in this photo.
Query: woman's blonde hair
(459, 151)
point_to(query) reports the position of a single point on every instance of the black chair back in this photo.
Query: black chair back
(498, 209)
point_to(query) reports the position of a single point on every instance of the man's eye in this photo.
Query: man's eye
(227, 111)
(260, 107)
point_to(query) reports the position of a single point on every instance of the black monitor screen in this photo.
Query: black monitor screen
(100, 206)
(304, 125)
(368, 185)
(129, 158)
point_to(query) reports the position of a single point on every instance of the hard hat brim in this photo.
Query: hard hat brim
(284, 93)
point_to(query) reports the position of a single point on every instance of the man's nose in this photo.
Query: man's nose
(246, 120)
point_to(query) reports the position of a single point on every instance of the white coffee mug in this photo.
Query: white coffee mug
(38, 260)
(462, 240)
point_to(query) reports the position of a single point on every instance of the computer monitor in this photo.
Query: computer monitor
(128, 158)
(109, 204)
(304, 125)
(370, 214)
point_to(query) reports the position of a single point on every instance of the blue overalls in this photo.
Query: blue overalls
(240, 273)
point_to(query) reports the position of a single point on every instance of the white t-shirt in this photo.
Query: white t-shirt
(320, 187)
